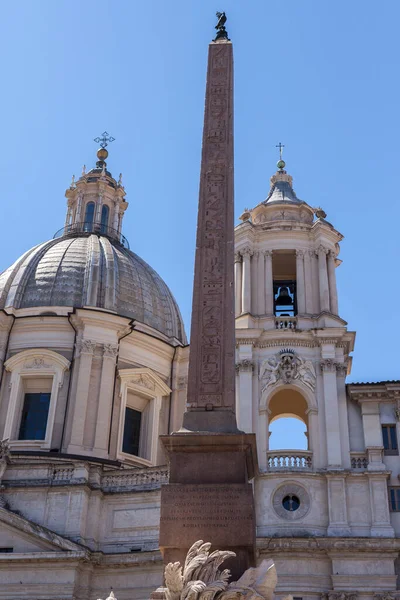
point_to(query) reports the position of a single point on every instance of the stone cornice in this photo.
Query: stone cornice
(370, 392)
(327, 545)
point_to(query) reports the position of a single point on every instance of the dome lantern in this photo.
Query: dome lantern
(96, 201)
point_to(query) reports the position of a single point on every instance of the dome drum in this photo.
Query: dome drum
(88, 227)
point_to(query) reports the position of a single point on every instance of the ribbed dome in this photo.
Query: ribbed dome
(90, 270)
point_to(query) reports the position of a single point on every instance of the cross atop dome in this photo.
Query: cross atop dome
(102, 153)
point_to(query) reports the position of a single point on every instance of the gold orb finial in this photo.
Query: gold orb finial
(102, 154)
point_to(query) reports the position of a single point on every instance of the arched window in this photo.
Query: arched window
(288, 421)
(89, 216)
(104, 218)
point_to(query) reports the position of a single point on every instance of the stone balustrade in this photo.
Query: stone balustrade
(150, 477)
(359, 460)
(289, 460)
(285, 323)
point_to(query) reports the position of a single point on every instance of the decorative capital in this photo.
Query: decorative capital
(328, 365)
(322, 250)
(268, 253)
(300, 253)
(341, 369)
(86, 347)
(110, 350)
(238, 257)
(246, 252)
(244, 365)
(332, 255)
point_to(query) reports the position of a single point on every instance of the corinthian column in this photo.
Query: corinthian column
(238, 284)
(323, 279)
(308, 280)
(300, 288)
(246, 280)
(269, 284)
(332, 283)
(260, 284)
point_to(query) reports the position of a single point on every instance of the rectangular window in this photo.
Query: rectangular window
(394, 499)
(6, 550)
(34, 416)
(389, 435)
(133, 419)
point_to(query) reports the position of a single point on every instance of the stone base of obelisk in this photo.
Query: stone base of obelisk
(208, 496)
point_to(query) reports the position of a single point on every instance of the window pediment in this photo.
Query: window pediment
(144, 379)
(37, 359)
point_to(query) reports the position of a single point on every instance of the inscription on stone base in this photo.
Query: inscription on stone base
(224, 514)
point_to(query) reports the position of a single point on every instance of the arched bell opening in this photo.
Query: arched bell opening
(284, 281)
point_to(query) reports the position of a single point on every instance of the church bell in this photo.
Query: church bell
(284, 298)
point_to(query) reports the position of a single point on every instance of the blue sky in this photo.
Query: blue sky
(322, 77)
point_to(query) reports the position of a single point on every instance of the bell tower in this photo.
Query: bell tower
(290, 338)
(285, 262)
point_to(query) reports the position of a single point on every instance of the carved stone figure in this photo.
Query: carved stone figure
(287, 367)
(4, 456)
(307, 372)
(110, 597)
(201, 578)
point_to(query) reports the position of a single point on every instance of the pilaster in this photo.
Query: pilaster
(381, 526)
(337, 504)
(308, 277)
(269, 284)
(244, 369)
(238, 284)
(332, 283)
(260, 284)
(332, 421)
(372, 434)
(246, 253)
(85, 349)
(110, 352)
(323, 279)
(301, 292)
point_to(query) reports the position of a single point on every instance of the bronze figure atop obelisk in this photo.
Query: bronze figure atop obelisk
(211, 383)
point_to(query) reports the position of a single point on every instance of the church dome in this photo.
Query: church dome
(89, 263)
(91, 270)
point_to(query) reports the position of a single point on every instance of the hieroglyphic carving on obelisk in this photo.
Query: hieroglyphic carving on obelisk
(211, 383)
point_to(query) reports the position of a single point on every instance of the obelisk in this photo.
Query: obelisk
(211, 382)
(208, 496)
